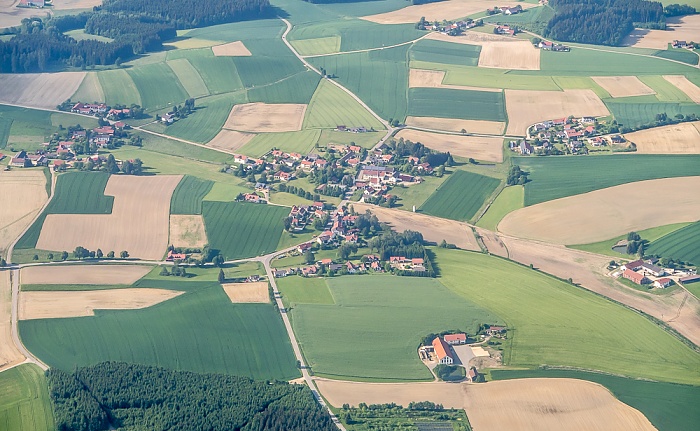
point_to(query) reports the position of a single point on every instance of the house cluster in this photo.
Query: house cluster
(550, 46)
(302, 215)
(505, 10)
(643, 272)
(340, 227)
(441, 351)
(89, 108)
(506, 30)
(416, 264)
(361, 129)
(24, 160)
(573, 133)
(368, 263)
(684, 44)
(449, 28)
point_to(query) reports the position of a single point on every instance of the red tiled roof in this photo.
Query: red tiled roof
(441, 348)
(455, 337)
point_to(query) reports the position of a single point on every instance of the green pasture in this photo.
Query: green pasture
(242, 30)
(218, 73)
(301, 142)
(559, 324)
(271, 61)
(161, 151)
(461, 196)
(683, 244)
(665, 91)
(188, 195)
(300, 290)
(580, 83)
(28, 129)
(207, 120)
(419, 193)
(221, 192)
(242, 230)
(379, 78)
(5, 125)
(558, 177)
(534, 19)
(651, 234)
(463, 104)
(681, 55)
(366, 8)
(90, 89)
(668, 406)
(158, 86)
(80, 34)
(24, 400)
(340, 340)
(298, 88)
(435, 51)
(200, 330)
(637, 114)
(510, 199)
(119, 88)
(188, 77)
(357, 34)
(317, 45)
(330, 106)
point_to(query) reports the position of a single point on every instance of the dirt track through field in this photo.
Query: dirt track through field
(57, 304)
(526, 107)
(623, 86)
(39, 90)
(230, 140)
(446, 10)
(434, 229)
(22, 194)
(257, 292)
(677, 28)
(83, 274)
(138, 223)
(233, 49)
(263, 117)
(683, 138)
(521, 404)
(9, 355)
(488, 149)
(187, 231)
(682, 83)
(607, 213)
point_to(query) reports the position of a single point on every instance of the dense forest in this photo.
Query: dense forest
(137, 26)
(121, 396)
(602, 22)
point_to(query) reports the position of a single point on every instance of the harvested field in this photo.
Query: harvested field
(520, 55)
(247, 292)
(488, 149)
(607, 213)
(22, 194)
(232, 49)
(434, 229)
(527, 107)
(84, 274)
(683, 138)
(39, 90)
(338, 392)
(193, 43)
(76, 4)
(230, 140)
(187, 231)
(691, 90)
(457, 125)
(677, 28)
(146, 199)
(623, 86)
(470, 38)
(446, 10)
(418, 78)
(57, 304)
(9, 355)
(263, 117)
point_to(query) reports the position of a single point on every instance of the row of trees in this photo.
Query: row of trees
(81, 253)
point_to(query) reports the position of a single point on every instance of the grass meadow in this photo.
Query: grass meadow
(219, 74)
(341, 340)
(356, 34)
(299, 290)
(463, 104)
(242, 230)
(317, 45)
(188, 195)
(558, 324)
(301, 142)
(488, 77)
(461, 196)
(188, 76)
(665, 91)
(558, 177)
(330, 106)
(207, 120)
(435, 51)
(119, 88)
(636, 114)
(683, 244)
(200, 330)
(651, 234)
(668, 406)
(681, 55)
(24, 400)
(510, 199)
(158, 86)
(298, 88)
(5, 125)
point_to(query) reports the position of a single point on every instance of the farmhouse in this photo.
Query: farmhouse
(89, 108)
(654, 270)
(511, 10)
(663, 283)
(634, 277)
(634, 265)
(443, 351)
(495, 330)
(454, 339)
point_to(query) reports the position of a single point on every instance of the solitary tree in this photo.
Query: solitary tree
(50, 256)
(309, 257)
(64, 255)
(124, 254)
(99, 254)
(110, 255)
(222, 276)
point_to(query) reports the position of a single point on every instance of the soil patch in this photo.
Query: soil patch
(232, 49)
(22, 194)
(39, 90)
(257, 292)
(481, 148)
(623, 86)
(187, 231)
(683, 138)
(263, 117)
(677, 28)
(84, 274)
(445, 10)
(691, 90)
(230, 140)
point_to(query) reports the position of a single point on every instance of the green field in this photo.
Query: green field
(379, 316)
(461, 196)
(556, 323)
(605, 247)
(668, 406)
(200, 330)
(301, 142)
(683, 244)
(419, 193)
(5, 125)
(158, 86)
(218, 73)
(271, 61)
(298, 88)
(90, 89)
(463, 104)
(225, 192)
(534, 19)
(580, 83)
(318, 45)
(331, 106)
(558, 177)
(207, 119)
(189, 77)
(637, 114)
(299, 290)
(188, 195)
(665, 91)
(24, 400)
(119, 88)
(379, 78)
(435, 51)
(681, 55)
(509, 200)
(487, 77)
(80, 34)
(241, 230)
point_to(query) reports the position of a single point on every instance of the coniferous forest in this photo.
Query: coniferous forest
(121, 396)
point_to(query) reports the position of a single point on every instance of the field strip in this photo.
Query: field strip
(623, 86)
(247, 292)
(9, 355)
(421, 78)
(367, 49)
(682, 138)
(230, 140)
(607, 213)
(23, 195)
(683, 84)
(524, 404)
(481, 148)
(188, 76)
(39, 90)
(187, 231)
(447, 10)
(57, 304)
(456, 125)
(83, 274)
(434, 229)
(520, 55)
(265, 117)
(232, 49)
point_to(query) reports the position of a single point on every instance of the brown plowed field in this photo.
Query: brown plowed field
(22, 194)
(516, 54)
(247, 292)
(233, 49)
(39, 90)
(139, 222)
(434, 229)
(683, 138)
(488, 149)
(445, 10)
(263, 117)
(84, 274)
(623, 86)
(230, 140)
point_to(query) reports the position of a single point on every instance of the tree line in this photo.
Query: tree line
(117, 395)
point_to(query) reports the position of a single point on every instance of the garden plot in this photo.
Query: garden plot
(526, 107)
(677, 28)
(683, 138)
(446, 10)
(607, 213)
(247, 292)
(39, 90)
(481, 148)
(22, 194)
(187, 231)
(683, 84)
(457, 125)
(263, 117)
(232, 49)
(82, 274)
(230, 140)
(60, 304)
(138, 222)
(623, 86)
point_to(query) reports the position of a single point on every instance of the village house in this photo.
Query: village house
(168, 118)
(495, 330)
(662, 283)
(172, 256)
(89, 108)
(443, 351)
(456, 339)
(511, 10)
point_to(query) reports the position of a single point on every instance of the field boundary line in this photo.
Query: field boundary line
(367, 49)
